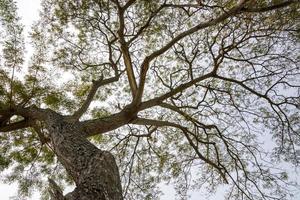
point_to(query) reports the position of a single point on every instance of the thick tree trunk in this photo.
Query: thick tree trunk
(94, 171)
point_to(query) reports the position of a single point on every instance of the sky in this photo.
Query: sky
(28, 11)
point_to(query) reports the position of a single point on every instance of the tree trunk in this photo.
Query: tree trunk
(94, 171)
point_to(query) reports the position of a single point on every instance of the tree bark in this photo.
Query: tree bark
(94, 171)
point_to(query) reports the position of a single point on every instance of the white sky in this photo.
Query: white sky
(28, 10)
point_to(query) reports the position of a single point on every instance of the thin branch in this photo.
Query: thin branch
(269, 8)
(40, 133)
(147, 24)
(186, 132)
(156, 101)
(90, 97)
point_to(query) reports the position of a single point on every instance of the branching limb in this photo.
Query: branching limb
(146, 63)
(147, 24)
(221, 170)
(112, 122)
(29, 114)
(240, 83)
(90, 97)
(158, 100)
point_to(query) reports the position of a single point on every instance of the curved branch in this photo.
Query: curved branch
(95, 86)
(146, 25)
(240, 83)
(186, 132)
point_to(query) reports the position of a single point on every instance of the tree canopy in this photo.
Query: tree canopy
(194, 93)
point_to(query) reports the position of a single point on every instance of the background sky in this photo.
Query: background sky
(28, 11)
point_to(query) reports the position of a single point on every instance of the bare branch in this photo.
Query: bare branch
(128, 4)
(146, 25)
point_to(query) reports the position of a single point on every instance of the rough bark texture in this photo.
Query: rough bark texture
(94, 171)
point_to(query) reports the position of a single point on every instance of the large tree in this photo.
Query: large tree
(120, 96)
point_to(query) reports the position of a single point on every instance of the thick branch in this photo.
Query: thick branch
(102, 125)
(31, 112)
(125, 49)
(15, 126)
(30, 115)
(129, 68)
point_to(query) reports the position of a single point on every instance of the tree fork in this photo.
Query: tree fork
(94, 171)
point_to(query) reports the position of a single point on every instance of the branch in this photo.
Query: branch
(148, 59)
(89, 99)
(40, 133)
(184, 5)
(128, 4)
(55, 191)
(15, 126)
(147, 24)
(125, 49)
(156, 101)
(264, 96)
(186, 132)
(269, 8)
(240, 83)
(30, 114)
(112, 122)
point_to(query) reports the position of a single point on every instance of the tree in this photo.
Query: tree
(120, 96)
